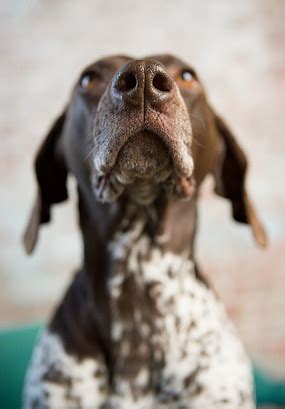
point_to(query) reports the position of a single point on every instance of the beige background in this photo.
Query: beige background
(238, 48)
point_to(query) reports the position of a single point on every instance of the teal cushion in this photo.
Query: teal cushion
(269, 390)
(15, 351)
(16, 348)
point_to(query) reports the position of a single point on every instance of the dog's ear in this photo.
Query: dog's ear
(51, 175)
(230, 173)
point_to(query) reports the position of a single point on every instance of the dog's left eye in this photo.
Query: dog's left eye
(187, 75)
(187, 78)
(89, 80)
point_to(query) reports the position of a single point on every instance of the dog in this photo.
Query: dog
(139, 326)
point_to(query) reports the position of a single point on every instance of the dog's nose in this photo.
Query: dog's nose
(142, 81)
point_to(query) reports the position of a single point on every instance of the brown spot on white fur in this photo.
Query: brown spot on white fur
(200, 354)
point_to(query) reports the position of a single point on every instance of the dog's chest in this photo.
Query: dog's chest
(172, 344)
(168, 328)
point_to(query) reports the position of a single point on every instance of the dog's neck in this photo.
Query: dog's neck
(170, 223)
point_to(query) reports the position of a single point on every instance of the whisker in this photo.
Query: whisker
(201, 145)
(198, 143)
(199, 119)
(87, 156)
(89, 144)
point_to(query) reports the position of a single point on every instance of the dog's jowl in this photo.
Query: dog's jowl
(139, 326)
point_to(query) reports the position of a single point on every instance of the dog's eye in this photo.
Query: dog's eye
(187, 75)
(187, 78)
(89, 80)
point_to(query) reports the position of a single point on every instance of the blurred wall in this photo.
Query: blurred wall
(238, 49)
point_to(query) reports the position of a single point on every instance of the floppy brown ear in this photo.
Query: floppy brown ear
(230, 175)
(51, 177)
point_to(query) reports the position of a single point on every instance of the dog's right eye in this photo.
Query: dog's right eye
(89, 80)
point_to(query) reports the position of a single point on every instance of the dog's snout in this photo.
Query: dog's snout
(142, 81)
(142, 130)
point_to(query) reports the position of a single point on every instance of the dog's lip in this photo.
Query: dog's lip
(101, 183)
(104, 167)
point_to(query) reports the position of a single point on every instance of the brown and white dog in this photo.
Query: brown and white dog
(139, 327)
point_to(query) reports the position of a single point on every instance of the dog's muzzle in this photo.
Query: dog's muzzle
(142, 131)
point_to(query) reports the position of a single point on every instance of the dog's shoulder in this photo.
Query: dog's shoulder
(55, 377)
(67, 367)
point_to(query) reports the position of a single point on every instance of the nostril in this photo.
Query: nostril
(127, 82)
(161, 82)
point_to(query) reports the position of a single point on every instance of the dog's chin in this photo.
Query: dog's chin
(143, 170)
(142, 165)
(139, 188)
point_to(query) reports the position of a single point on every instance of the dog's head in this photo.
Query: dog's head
(139, 128)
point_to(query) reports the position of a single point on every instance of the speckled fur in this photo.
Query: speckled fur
(56, 379)
(173, 344)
